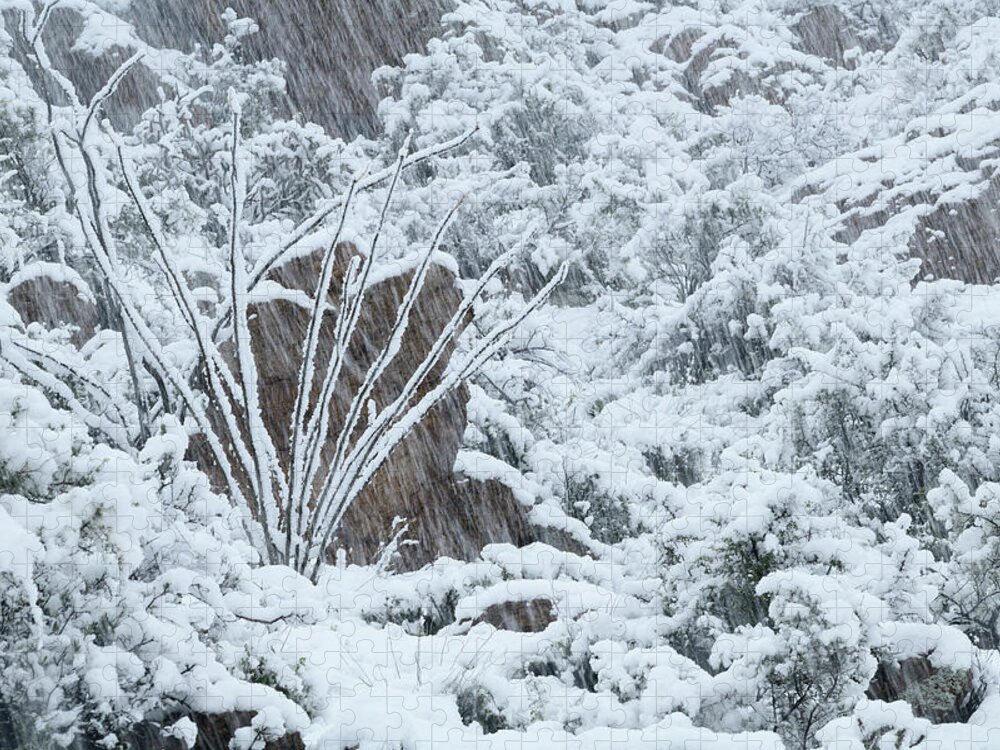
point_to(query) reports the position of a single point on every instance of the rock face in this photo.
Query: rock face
(52, 303)
(521, 617)
(446, 514)
(330, 50)
(823, 31)
(959, 240)
(956, 240)
(938, 694)
(940, 206)
(686, 47)
(826, 32)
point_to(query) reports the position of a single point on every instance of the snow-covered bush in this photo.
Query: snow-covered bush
(772, 398)
(291, 505)
(128, 591)
(755, 443)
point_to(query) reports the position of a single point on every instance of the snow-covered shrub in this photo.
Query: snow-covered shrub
(970, 576)
(234, 226)
(757, 447)
(128, 590)
(812, 662)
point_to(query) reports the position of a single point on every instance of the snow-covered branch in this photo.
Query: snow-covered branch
(292, 503)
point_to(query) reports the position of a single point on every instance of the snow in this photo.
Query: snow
(754, 438)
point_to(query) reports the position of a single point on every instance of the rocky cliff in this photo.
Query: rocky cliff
(330, 50)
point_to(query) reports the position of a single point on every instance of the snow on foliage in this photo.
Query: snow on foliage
(755, 422)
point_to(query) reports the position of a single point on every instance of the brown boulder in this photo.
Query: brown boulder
(939, 694)
(54, 303)
(446, 514)
(521, 617)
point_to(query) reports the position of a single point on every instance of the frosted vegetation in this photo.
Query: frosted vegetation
(729, 336)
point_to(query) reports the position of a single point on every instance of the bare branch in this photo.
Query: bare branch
(274, 499)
